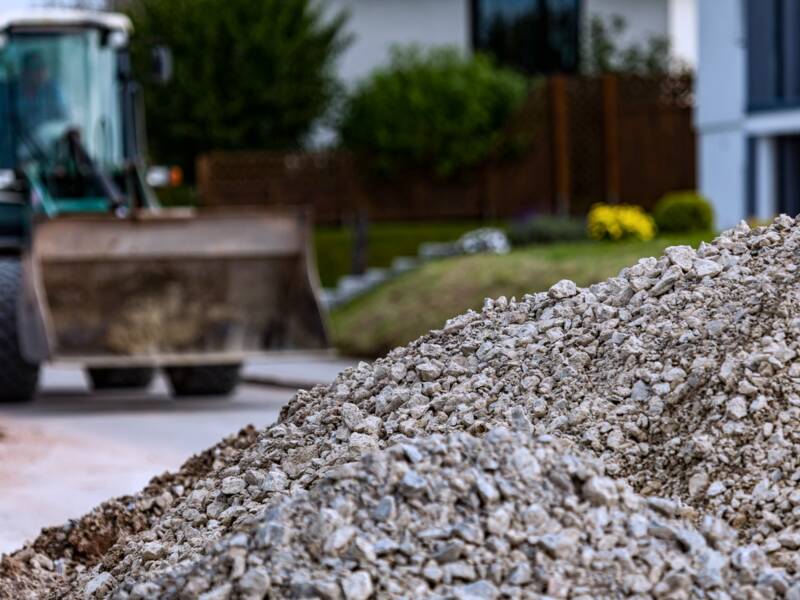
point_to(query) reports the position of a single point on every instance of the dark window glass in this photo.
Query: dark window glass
(790, 50)
(773, 53)
(750, 201)
(789, 174)
(535, 36)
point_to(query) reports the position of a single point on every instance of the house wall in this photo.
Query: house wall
(683, 30)
(377, 25)
(720, 113)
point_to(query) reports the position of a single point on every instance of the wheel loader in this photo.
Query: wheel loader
(93, 271)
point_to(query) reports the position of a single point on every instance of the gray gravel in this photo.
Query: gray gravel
(507, 515)
(637, 438)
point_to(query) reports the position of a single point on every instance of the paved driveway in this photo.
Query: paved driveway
(71, 449)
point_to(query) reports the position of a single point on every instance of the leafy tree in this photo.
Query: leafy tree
(248, 74)
(433, 111)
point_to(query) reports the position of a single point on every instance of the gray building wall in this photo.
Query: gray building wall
(721, 70)
(720, 114)
(377, 25)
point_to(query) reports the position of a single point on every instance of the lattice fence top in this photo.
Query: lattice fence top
(635, 145)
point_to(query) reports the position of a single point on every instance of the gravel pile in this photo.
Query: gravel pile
(679, 377)
(467, 518)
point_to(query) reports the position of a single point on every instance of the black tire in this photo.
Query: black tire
(205, 380)
(18, 377)
(117, 379)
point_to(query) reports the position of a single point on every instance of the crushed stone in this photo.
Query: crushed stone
(553, 524)
(677, 379)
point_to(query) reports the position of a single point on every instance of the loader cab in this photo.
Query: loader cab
(67, 110)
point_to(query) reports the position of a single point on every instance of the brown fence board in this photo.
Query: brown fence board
(609, 138)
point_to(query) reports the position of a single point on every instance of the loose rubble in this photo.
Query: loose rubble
(658, 409)
(508, 516)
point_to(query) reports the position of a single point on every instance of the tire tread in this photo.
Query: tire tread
(18, 377)
(121, 378)
(206, 380)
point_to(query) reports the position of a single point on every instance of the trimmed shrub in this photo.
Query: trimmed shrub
(620, 222)
(546, 230)
(681, 212)
(434, 111)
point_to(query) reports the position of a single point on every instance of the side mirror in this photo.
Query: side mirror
(162, 64)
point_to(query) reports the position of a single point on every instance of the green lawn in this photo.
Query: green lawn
(424, 299)
(386, 242)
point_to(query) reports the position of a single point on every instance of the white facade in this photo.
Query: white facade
(683, 30)
(720, 114)
(730, 172)
(377, 25)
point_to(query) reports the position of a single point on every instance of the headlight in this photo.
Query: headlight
(7, 178)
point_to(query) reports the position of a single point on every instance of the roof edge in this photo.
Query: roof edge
(50, 17)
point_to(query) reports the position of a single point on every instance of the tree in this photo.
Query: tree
(249, 74)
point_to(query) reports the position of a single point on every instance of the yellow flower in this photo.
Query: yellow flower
(620, 221)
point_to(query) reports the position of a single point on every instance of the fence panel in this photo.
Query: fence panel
(587, 149)
(657, 139)
(591, 139)
(324, 180)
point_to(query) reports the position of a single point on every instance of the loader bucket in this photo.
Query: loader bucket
(174, 287)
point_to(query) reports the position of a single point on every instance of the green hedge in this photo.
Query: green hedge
(546, 230)
(433, 111)
(682, 212)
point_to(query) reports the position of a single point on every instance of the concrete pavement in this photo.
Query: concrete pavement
(296, 371)
(70, 449)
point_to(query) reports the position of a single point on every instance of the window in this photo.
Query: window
(773, 53)
(535, 36)
(788, 174)
(52, 83)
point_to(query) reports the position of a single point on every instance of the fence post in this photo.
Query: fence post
(560, 118)
(203, 177)
(359, 209)
(611, 137)
(488, 201)
(360, 242)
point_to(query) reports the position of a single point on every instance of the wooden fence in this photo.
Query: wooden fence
(610, 138)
